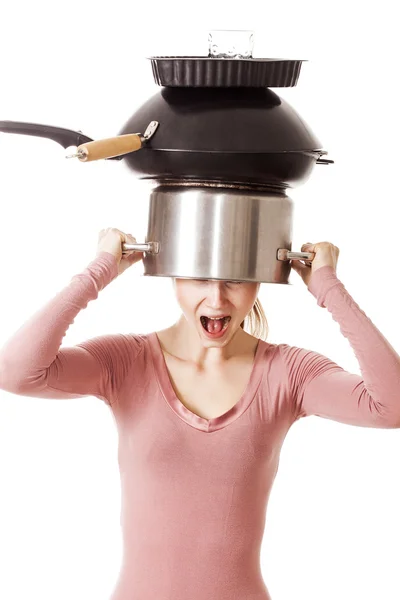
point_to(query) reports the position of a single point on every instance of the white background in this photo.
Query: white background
(333, 522)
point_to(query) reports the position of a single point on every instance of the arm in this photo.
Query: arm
(318, 386)
(32, 364)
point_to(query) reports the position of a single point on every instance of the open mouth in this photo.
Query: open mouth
(214, 326)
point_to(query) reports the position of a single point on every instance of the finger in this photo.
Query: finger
(308, 247)
(299, 266)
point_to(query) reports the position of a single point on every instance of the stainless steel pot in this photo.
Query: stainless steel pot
(207, 231)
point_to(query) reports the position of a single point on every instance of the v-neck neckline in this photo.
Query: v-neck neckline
(201, 423)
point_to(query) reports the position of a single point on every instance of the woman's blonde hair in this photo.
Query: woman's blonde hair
(256, 322)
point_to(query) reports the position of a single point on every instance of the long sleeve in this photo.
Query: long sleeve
(32, 363)
(318, 386)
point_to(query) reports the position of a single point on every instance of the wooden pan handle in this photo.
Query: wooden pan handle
(109, 147)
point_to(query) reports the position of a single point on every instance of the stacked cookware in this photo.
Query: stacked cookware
(220, 149)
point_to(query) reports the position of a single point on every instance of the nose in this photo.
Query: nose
(216, 292)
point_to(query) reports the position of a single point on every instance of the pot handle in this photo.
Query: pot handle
(149, 247)
(324, 161)
(284, 254)
(115, 146)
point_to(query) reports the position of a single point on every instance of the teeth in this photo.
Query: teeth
(216, 318)
(225, 319)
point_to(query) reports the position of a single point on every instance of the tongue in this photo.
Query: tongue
(214, 326)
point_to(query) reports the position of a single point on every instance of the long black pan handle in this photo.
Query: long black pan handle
(64, 137)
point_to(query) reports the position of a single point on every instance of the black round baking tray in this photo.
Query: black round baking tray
(201, 71)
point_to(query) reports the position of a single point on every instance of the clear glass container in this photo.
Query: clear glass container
(230, 43)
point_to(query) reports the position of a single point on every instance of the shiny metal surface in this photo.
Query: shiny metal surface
(217, 233)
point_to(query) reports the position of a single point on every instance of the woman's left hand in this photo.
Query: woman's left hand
(325, 254)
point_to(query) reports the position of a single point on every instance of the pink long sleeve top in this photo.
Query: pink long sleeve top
(194, 490)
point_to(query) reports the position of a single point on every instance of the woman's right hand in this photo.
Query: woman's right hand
(111, 240)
